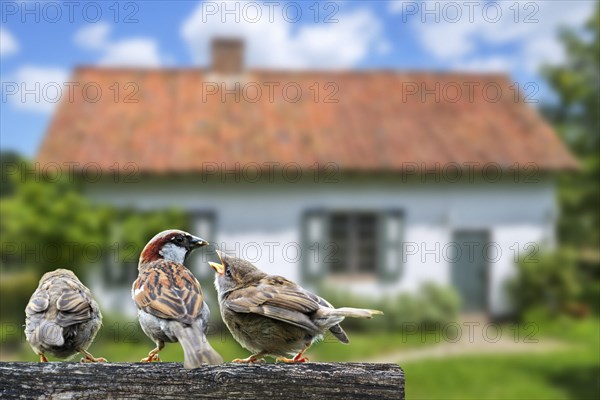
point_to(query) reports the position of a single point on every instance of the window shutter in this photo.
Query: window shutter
(390, 232)
(315, 255)
(202, 225)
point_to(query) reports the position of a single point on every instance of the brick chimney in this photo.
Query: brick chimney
(227, 56)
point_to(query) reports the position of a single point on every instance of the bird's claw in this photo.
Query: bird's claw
(151, 358)
(292, 360)
(248, 360)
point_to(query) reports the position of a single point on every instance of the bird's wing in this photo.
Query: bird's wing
(38, 303)
(278, 298)
(74, 305)
(168, 290)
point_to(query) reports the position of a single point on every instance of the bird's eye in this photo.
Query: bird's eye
(228, 272)
(179, 239)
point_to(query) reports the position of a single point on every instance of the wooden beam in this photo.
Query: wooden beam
(323, 381)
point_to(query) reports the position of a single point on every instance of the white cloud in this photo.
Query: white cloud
(132, 52)
(37, 89)
(280, 44)
(8, 43)
(534, 43)
(94, 36)
(446, 41)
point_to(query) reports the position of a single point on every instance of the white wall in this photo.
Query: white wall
(252, 217)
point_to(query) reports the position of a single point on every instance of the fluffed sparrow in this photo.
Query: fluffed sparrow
(62, 318)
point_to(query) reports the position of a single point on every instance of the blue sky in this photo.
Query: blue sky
(42, 41)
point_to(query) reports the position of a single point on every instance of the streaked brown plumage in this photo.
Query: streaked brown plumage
(180, 296)
(271, 315)
(62, 318)
(169, 298)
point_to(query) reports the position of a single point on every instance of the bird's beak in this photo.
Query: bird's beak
(198, 242)
(218, 267)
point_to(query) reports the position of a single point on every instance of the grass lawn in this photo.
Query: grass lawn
(562, 374)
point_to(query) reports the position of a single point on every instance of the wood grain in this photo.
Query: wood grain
(322, 381)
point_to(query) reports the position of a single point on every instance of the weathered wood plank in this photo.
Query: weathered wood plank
(323, 381)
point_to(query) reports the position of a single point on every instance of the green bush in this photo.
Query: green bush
(589, 276)
(15, 290)
(441, 304)
(47, 225)
(547, 282)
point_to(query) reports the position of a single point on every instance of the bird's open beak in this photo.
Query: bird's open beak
(198, 242)
(218, 267)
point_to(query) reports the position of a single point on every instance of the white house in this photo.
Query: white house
(375, 181)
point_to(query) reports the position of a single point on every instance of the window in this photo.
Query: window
(354, 236)
(353, 244)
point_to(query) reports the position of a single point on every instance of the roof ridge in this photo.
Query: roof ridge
(381, 71)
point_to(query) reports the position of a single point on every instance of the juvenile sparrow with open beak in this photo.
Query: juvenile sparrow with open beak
(270, 315)
(169, 298)
(62, 318)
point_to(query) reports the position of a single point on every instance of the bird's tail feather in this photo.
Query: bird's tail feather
(196, 349)
(49, 333)
(330, 318)
(337, 331)
(353, 312)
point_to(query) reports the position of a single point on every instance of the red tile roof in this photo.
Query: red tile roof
(377, 123)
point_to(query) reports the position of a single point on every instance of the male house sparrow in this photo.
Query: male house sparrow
(169, 299)
(270, 315)
(62, 318)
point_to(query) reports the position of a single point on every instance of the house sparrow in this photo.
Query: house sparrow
(169, 299)
(270, 315)
(62, 318)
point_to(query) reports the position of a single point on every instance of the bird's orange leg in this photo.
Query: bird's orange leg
(43, 358)
(90, 358)
(153, 354)
(258, 357)
(298, 358)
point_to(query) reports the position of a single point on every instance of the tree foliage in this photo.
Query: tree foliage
(48, 223)
(576, 117)
(548, 282)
